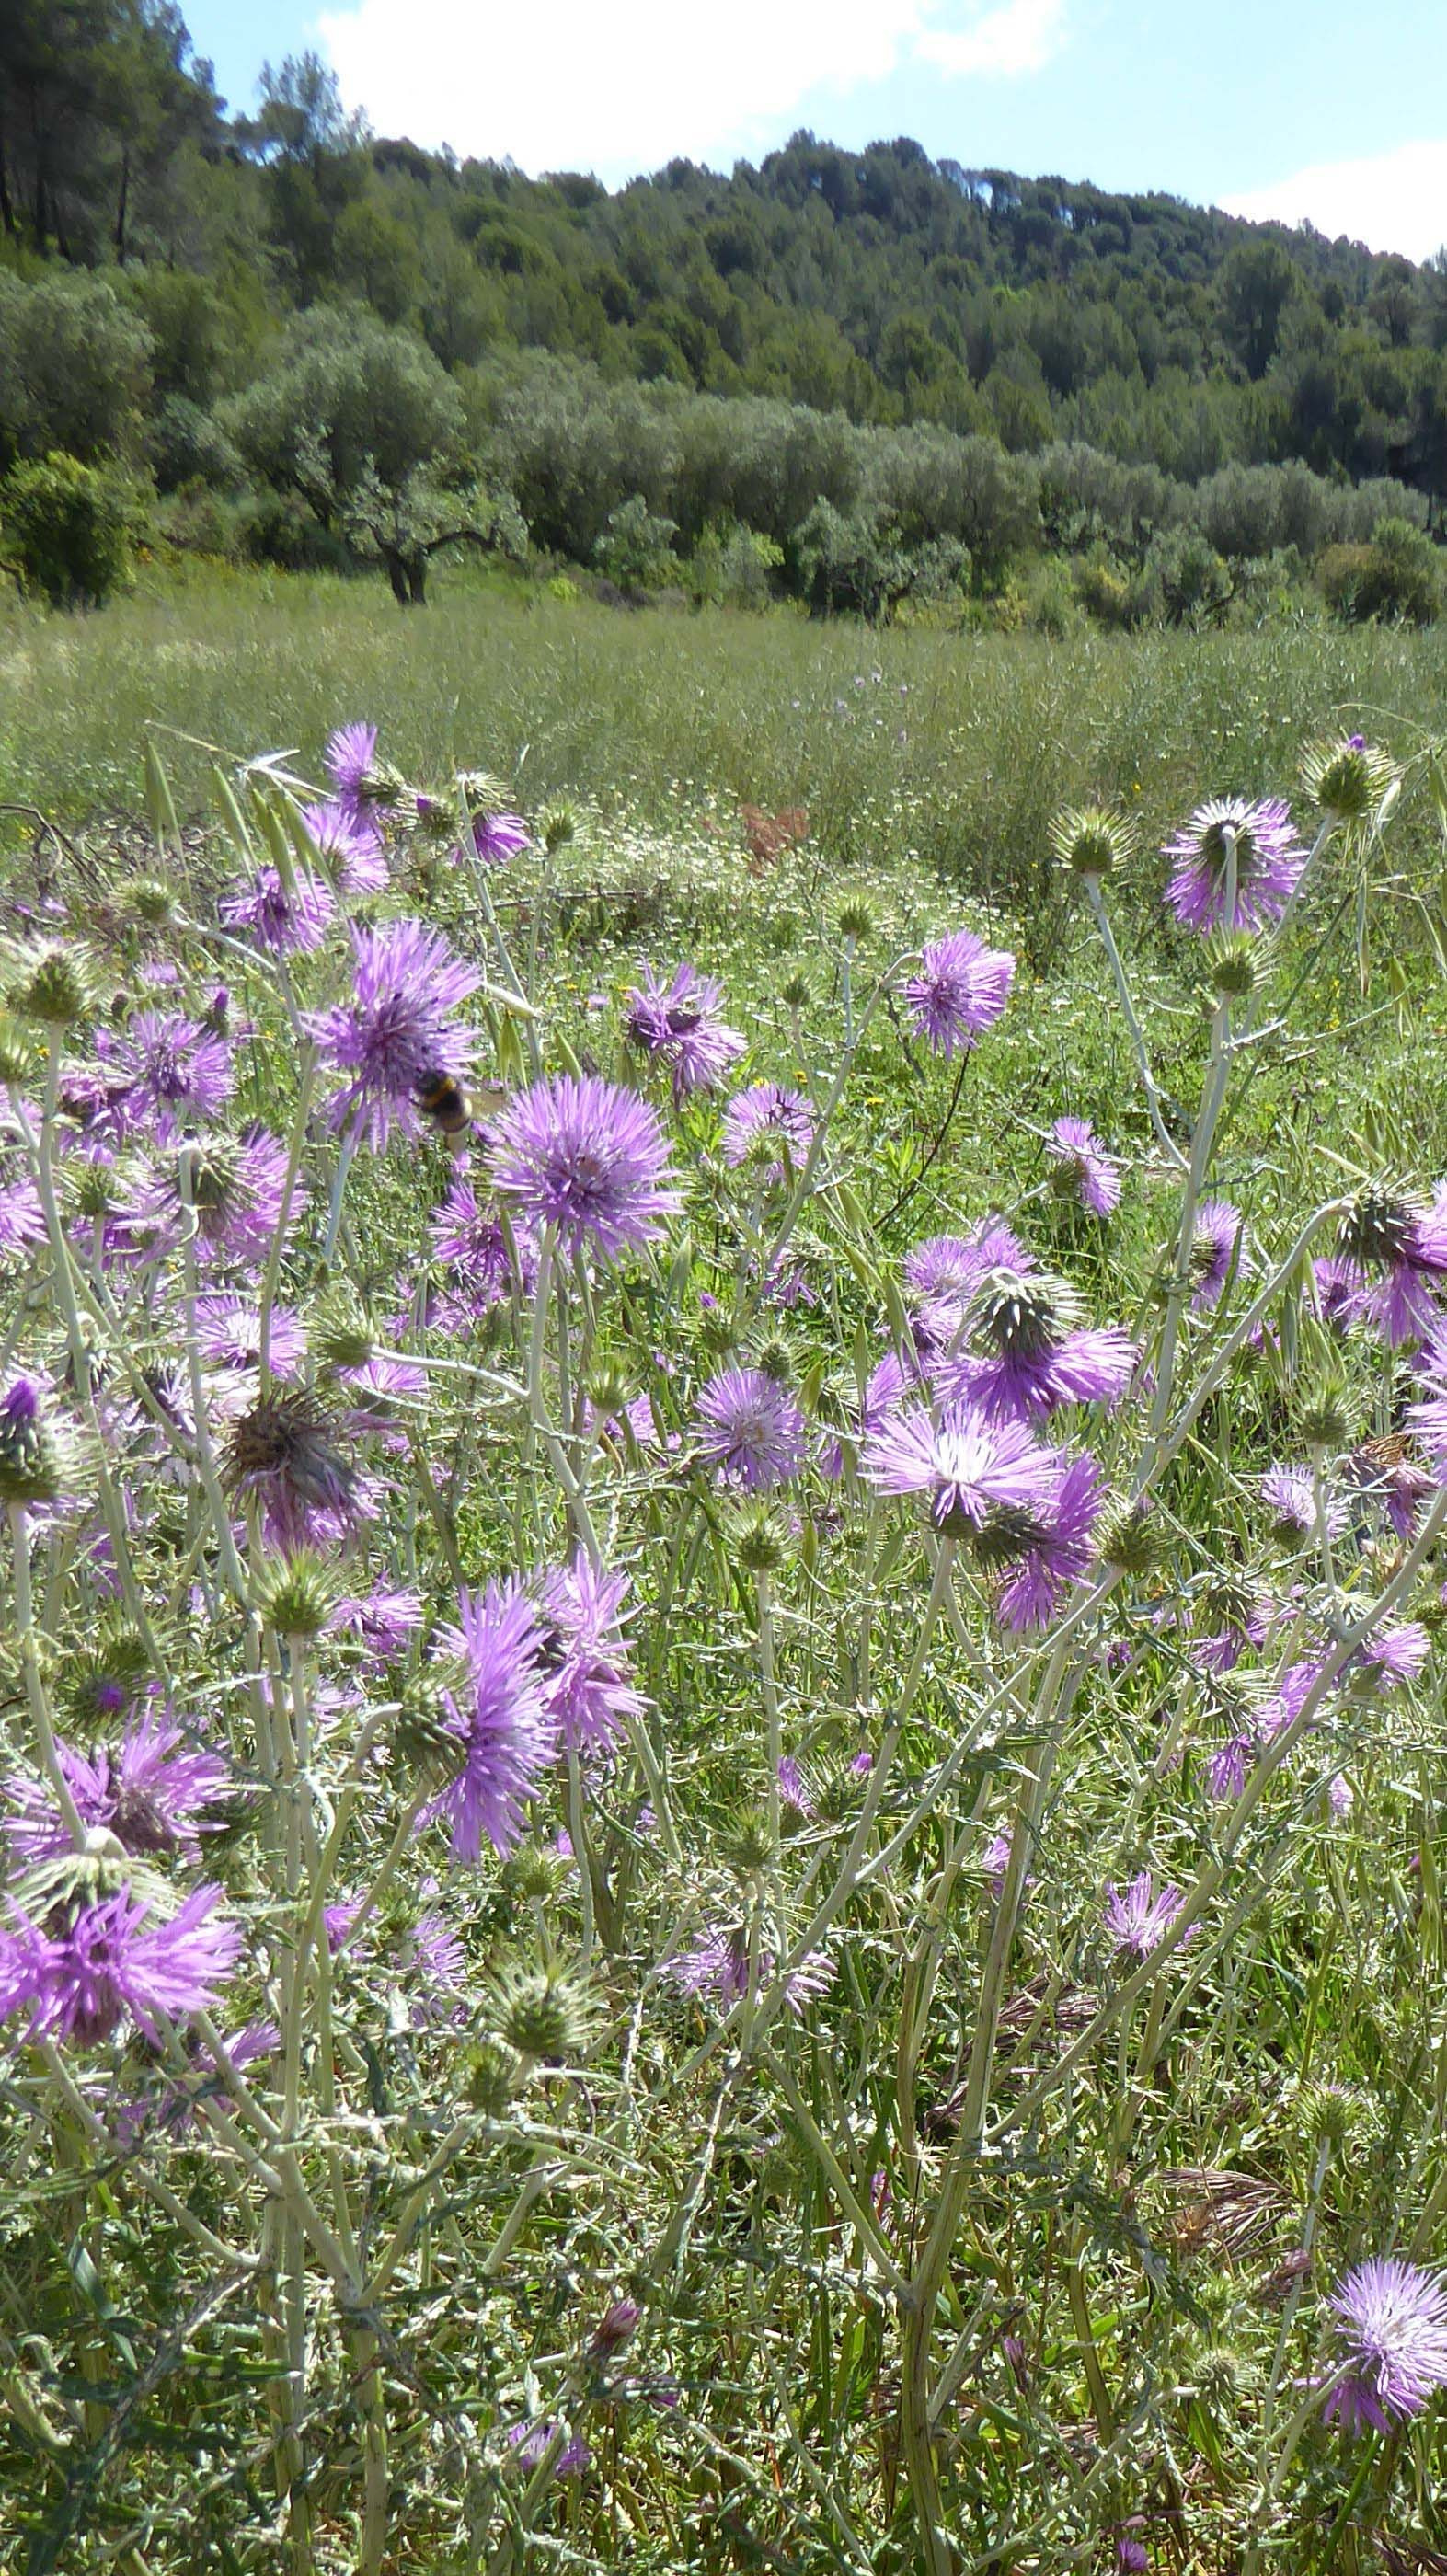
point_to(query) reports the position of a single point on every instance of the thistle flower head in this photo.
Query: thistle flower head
(151, 1790)
(1217, 1250)
(960, 990)
(399, 1026)
(680, 1025)
(769, 1127)
(1138, 1917)
(1347, 777)
(1254, 841)
(360, 779)
(50, 980)
(283, 1453)
(297, 1595)
(588, 1159)
(287, 920)
(751, 1433)
(1093, 840)
(92, 1962)
(40, 1458)
(1391, 2323)
(505, 1735)
(1081, 1169)
(543, 2015)
(965, 1470)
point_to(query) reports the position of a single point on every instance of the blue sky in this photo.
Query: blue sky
(1294, 108)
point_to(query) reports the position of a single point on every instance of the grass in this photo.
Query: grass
(955, 748)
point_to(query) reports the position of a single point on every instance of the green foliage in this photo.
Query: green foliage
(1398, 575)
(635, 549)
(74, 368)
(65, 529)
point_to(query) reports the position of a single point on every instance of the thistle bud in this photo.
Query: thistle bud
(758, 1540)
(856, 917)
(39, 1456)
(794, 993)
(296, 1597)
(1233, 966)
(342, 1335)
(489, 2077)
(748, 1844)
(616, 2327)
(151, 901)
(1092, 841)
(1347, 777)
(558, 825)
(1325, 1414)
(1129, 1539)
(17, 1055)
(531, 1875)
(50, 980)
(777, 1357)
(543, 2014)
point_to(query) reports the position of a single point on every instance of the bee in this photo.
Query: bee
(446, 1105)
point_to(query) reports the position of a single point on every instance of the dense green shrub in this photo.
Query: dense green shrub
(1398, 575)
(74, 369)
(65, 529)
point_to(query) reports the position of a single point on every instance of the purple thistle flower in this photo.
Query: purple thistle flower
(587, 1158)
(431, 1957)
(1227, 1766)
(1382, 1473)
(761, 1118)
(967, 1469)
(162, 1064)
(1045, 1548)
(349, 846)
(350, 758)
(284, 920)
(383, 1621)
(1287, 1701)
(151, 1790)
(506, 1735)
(486, 1266)
(1083, 1169)
(1289, 1494)
(1393, 1655)
(753, 1432)
(1137, 1918)
(532, 2443)
(80, 1973)
(1391, 2322)
(1269, 864)
(228, 1334)
(1217, 1251)
(961, 988)
(498, 837)
(718, 1966)
(1027, 1353)
(397, 1029)
(1132, 2557)
(680, 1025)
(583, 1657)
(22, 1218)
(794, 1792)
(237, 1188)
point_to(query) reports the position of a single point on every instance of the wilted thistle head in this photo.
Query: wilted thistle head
(1233, 965)
(296, 1595)
(1347, 776)
(284, 1451)
(543, 2014)
(51, 980)
(856, 917)
(1128, 1538)
(758, 1539)
(1092, 840)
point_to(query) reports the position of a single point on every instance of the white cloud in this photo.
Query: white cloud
(619, 86)
(1021, 36)
(1393, 200)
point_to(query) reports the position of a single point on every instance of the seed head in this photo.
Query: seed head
(1092, 840)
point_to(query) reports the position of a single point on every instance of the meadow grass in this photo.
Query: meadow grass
(954, 748)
